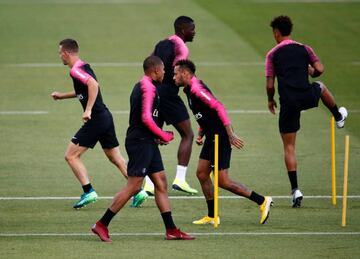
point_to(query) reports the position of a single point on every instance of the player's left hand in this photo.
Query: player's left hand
(311, 70)
(236, 141)
(272, 105)
(199, 140)
(86, 116)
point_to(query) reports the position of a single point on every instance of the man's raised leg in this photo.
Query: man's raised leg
(340, 114)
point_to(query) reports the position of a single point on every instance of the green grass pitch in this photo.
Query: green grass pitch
(229, 49)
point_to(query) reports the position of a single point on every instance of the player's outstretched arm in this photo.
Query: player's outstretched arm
(59, 96)
(233, 138)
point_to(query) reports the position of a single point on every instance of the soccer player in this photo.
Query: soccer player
(142, 139)
(291, 63)
(172, 108)
(212, 119)
(98, 123)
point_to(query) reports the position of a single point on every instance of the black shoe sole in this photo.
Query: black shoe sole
(178, 188)
(297, 203)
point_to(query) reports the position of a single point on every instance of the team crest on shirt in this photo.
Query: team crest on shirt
(198, 116)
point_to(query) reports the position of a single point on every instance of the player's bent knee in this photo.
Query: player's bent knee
(322, 86)
(162, 187)
(185, 130)
(68, 158)
(201, 176)
(112, 159)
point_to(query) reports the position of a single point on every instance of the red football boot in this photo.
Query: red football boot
(176, 234)
(101, 230)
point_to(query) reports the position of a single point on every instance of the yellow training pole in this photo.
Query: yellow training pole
(216, 181)
(333, 168)
(346, 169)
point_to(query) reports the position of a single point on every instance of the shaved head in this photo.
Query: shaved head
(151, 63)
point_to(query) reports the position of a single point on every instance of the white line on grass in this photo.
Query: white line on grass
(138, 64)
(170, 197)
(23, 112)
(72, 2)
(195, 234)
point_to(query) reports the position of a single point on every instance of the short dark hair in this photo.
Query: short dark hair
(181, 20)
(283, 24)
(151, 62)
(186, 64)
(69, 45)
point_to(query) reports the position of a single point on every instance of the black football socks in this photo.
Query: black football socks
(107, 217)
(210, 205)
(87, 188)
(168, 220)
(259, 199)
(293, 180)
(335, 112)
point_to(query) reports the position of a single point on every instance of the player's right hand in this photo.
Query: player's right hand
(160, 142)
(56, 95)
(86, 116)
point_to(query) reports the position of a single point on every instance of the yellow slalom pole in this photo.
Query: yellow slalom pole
(333, 168)
(345, 190)
(216, 181)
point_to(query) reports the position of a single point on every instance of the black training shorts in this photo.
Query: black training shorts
(293, 103)
(99, 128)
(172, 108)
(207, 151)
(144, 158)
